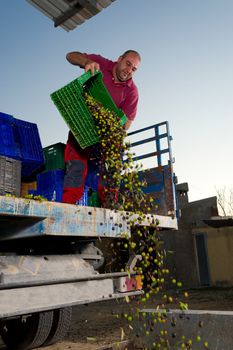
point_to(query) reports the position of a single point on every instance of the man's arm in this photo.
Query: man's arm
(79, 59)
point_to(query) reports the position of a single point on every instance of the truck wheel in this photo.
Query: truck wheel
(61, 324)
(27, 333)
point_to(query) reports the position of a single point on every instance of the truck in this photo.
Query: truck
(50, 259)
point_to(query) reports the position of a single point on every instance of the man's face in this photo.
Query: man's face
(126, 66)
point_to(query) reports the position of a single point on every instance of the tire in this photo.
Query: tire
(61, 324)
(20, 334)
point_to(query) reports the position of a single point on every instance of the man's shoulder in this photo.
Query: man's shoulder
(133, 87)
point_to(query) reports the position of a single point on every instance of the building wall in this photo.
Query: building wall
(181, 259)
(220, 254)
(193, 214)
(202, 255)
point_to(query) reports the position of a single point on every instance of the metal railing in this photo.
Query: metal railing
(157, 137)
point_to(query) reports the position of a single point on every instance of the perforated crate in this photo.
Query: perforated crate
(71, 104)
(10, 176)
(8, 145)
(50, 185)
(20, 140)
(26, 134)
(84, 200)
(92, 175)
(94, 200)
(54, 156)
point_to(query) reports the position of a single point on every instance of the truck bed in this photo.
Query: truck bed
(23, 218)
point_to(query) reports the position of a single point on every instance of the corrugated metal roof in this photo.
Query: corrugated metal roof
(69, 14)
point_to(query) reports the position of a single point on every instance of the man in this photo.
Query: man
(117, 77)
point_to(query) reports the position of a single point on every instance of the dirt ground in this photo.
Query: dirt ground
(96, 325)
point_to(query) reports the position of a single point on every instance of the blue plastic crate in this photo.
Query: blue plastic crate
(26, 134)
(8, 145)
(50, 185)
(84, 199)
(20, 140)
(92, 175)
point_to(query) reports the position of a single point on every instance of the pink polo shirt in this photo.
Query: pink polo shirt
(124, 94)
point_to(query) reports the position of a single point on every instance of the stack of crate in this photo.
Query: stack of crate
(50, 181)
(21, 153)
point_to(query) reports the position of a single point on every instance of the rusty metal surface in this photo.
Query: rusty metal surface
(160, 186)
(22, 218)
(29, 218)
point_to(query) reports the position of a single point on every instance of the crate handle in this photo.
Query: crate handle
(86, 76)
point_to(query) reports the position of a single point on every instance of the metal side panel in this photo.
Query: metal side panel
(37, 283)
(167, 222)
(162, 222)
(41, 298)
(24, 270)
(29, 218)
(21, 218)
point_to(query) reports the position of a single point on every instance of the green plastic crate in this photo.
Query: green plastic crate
(94, 200)
(54, 156)
(71, 104)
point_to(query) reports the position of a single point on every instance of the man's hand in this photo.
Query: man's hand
(127, 124)
(92, 66)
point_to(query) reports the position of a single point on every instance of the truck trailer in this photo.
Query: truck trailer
(51, 257)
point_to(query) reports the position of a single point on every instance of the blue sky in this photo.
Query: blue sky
(186, 74)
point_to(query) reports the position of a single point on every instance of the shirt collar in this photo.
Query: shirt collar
(127, 83)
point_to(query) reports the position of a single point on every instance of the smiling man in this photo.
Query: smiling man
(117, 77)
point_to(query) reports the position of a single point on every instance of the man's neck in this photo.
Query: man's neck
(114, 74)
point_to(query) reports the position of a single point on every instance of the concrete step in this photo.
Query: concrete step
(206, 329)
